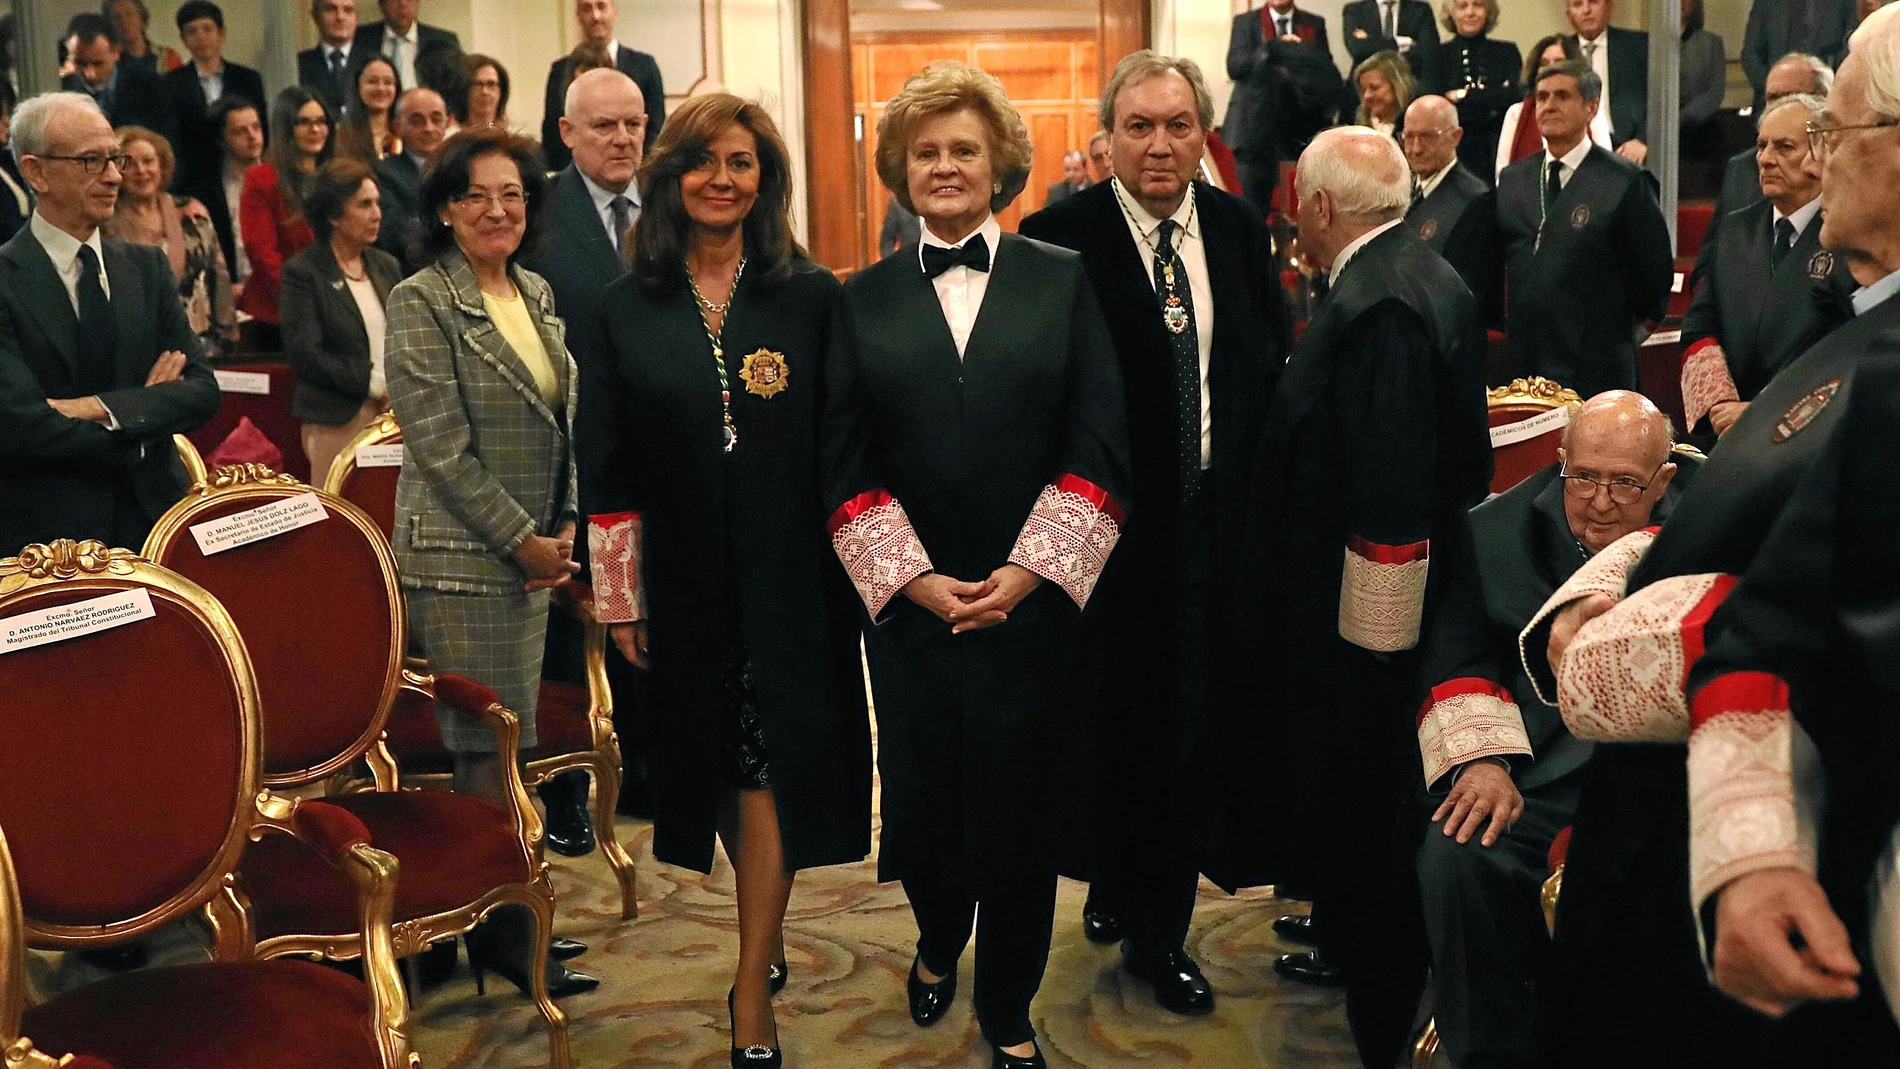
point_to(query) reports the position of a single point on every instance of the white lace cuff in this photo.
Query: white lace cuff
(614, 544)
(880, 550)
(1625, 676)
(1069, 535)
(1382, 594)
(1606, 573)
(1466, 719)
(1705, 380)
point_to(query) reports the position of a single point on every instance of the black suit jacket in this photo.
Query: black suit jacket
(369, 41)
(1582, 283)
(324, 335)
(200, 147)
(579, 266)
(1459, 222)
(1629, 83)
(1362, 30)
(642, 68)
(11, 218)
(140, 98)
(313, 72)
(1778, 27)
(1283, 92)
(67, 478)
(400, 180)
(1141, 585)
(1764, 316)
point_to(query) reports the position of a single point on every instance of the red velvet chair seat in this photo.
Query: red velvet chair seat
(560, 720)
(1559, 849)
(234, 1015)
(452, 848)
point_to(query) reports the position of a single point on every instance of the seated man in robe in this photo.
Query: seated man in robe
(1496, 809)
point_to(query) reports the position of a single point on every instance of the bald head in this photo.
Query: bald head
(1797, 72)
(423, 120)
(605, 125)
(1622, 439)
(1350, 180)
(1432, 135)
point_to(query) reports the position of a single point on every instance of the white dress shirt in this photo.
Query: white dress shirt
(1599, 62)
(1571, 161)
(1189, 245)
(63, 249)
(1431, 182)
(332, 53)
(960, 290)
(1800, 217)
(406, 61)
(1867, 298)
(233, 201)
(374, 322)
(1352, 248)
(212, 84)
(604, 205)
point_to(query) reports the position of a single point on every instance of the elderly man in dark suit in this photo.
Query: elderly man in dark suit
(1620, 59)
(422, 120)
(1778, 27)
(197, 87)
(1771, 291)
(1285, 86)
(1196, 388)
(1075, 178)
(1407, 27)
(98, 365)
(1586, 252)
(401, 38)
(128, 94)
(597, 19)
(331, 64)
(1452, 210)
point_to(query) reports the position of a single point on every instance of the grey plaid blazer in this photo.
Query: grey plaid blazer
(487, 462)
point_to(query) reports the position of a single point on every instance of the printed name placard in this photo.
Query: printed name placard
(1676, 286)
(1663, 337)
(379, 456)
(255, 525)
(1542, 423)
(70, 621)
(257, 382)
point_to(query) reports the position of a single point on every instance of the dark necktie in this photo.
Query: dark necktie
(336, 66)
(1553, 186)
(1418, 191)
(1784, 240)
(97, 337)
(1187, 361)
(622, 209)
(1286, 25)
(973, 254)
(1391, 19)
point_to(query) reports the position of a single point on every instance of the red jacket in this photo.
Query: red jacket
(273, 233)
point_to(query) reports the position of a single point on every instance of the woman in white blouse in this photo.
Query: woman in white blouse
(332, 312)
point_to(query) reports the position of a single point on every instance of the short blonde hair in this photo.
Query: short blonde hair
(941, 88)
(167, 163)
(1397, 74)
(1490, 16)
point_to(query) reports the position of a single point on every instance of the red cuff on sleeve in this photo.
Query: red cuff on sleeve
(1739, 692)
(1463, 685)
(856, 507)
(1378, 553)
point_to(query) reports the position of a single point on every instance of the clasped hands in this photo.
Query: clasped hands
(973, 606)
(549, 561)
(169, 367)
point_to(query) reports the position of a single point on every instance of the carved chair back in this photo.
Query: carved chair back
(1526, 428)
(372, 487)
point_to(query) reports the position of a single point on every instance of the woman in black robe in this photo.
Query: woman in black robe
(699, 472)
(975, 452)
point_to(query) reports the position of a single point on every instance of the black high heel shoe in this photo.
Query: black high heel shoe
(562, 981)
(1001, 1059)
(777, 975)
(756, 1056)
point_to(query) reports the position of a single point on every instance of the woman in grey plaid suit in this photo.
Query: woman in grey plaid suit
(482, 383)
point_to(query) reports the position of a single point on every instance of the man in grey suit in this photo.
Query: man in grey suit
(1075, 178)
(98, 365)
(1778, 27)
(422, 120)
(597, 19)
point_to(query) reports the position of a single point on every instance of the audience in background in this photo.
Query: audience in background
(197, 87)
(484, 100)
(1704, 80)
(1075, 178)
(129, 95)
(1385, 88)
(1286, 89)
(1101, 163)
(1519, 136)
(326, 66)
(901, 229)
(423, 122)
(1404, 27)
(132, 18)
(597, 19)
(271, 211)
(400, 38)
(1620, 59)
(1778, 27)
(16, 202)
(148, 215)
(368, 128)
(1480, 77)
(240, 126)
(442, 67)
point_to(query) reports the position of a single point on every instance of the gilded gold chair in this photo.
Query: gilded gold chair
(1519, 447)
(323, 618)
(188, 456)
(134, 784)
(372, 489)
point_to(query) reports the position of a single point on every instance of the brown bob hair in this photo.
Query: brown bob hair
(447, 179)
(941, 88)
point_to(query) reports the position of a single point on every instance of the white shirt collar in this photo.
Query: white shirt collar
(339, 50)
(1865, 299)
(603, 197)
(1430, 185)
(1572, 159)
(1346, 254)
(1801, 216)
(62, 248)
(613, 51)
(410, 37)
(1600, 38)
(991, 230)
(1185, 217)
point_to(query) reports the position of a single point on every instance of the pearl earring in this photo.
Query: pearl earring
(996, 187)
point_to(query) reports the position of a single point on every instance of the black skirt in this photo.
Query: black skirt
(745, 766)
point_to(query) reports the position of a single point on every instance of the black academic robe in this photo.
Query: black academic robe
(1630, 840)
(1017, 450)
(1582, 282)
(1814, 618)
(1252, 334)
(734, 546)
(1488, 71)
(1361, 28)
(1741, 187)
(1459, 222)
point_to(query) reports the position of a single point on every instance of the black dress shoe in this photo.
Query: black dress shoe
(565, 949)
(776, 976)
(999, 1059)
(435, 965)
(929, 1002)
(1307, 967)
(1178, 984)
(562, 981)
(570, 827)
(756, 1056)
(1296, 929)
(1102, 927)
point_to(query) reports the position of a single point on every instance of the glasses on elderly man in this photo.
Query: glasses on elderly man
(92, 164)
(1821, 137)
(1623, 490)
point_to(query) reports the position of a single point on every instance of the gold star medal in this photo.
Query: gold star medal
(765, 373)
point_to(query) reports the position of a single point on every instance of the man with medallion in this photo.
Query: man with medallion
(1586, 251)
(1452, 210)
(1185, 276)
(1374, 448)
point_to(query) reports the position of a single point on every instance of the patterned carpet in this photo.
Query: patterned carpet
(661, 1004)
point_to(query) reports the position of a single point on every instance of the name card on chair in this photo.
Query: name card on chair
(1541, 423)
(70, 621)
(379, 456)
(255, 525)
(256, 382)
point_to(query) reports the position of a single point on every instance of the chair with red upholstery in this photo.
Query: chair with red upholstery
(370, 487)
(188, 456)
(1527, 428)
(322, 614)
(134, 753)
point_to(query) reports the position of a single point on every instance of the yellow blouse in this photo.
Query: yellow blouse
(517, 326)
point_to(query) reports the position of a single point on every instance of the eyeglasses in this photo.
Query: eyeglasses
(1822, 138)
(93, 164)
(1623, 491)
(511, 200)
(1422, 136)
(311, 121)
